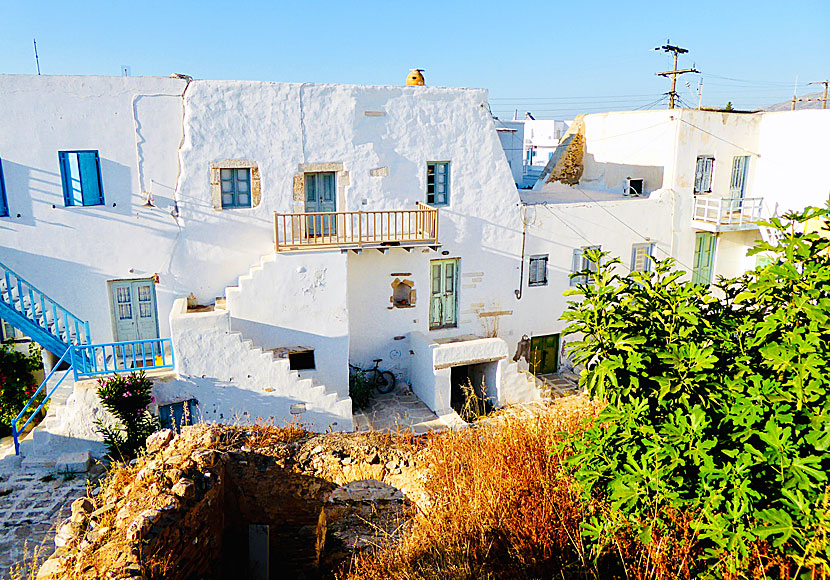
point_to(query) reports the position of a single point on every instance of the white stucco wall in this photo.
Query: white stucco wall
(511, 136)
(70, 252)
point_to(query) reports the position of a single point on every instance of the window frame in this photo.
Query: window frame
(235, 204)
(4, 202)
(739, 175)
(581, 263)
(535, 280)
(447, 185)
(64, 163)
(649, 253)
(700, 174)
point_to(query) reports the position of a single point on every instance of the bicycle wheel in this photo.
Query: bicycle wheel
(385, 382)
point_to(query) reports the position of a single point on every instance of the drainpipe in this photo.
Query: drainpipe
(522, 266)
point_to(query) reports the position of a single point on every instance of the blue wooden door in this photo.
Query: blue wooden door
(320, 196)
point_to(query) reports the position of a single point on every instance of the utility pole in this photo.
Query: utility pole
(673, 73)
(824, 98)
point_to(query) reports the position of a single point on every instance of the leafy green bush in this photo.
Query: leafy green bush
(127, 398)
(360, 390)
(17, 381)
(718, 403)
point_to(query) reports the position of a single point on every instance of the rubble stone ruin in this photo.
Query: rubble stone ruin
(246, 502)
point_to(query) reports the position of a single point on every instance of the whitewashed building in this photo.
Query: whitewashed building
(269, 234)
(125, 196)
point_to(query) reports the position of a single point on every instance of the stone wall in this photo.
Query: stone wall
(185, 509)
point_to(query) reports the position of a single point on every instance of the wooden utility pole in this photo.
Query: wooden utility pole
(673, 73)
(824, 98)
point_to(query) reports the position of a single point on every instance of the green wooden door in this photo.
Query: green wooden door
(443, 300)
(544, 354)
(704, 257)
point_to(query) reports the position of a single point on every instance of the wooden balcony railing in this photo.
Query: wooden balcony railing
(356, 229)
(725, 214)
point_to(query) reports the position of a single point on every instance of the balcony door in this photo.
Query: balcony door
(134, 309)
(320, 197)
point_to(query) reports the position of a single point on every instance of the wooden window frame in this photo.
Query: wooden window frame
(540, 262)
(649, 253)
(699, 175)
(64, 162)
(434, 193)
(581, 263)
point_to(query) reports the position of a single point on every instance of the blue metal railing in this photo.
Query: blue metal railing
(89, 360)
(15, 431)
(40, 317)
(122, 357)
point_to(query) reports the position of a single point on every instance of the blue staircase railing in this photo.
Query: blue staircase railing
(90, 360)
(38, 316)
(122, 357)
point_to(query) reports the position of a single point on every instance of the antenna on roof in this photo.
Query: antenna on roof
(37, 61)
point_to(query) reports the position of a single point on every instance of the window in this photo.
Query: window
(443, 298)
(178, 415)
(703, 174)
(704, 258)
(581, 263)
(737, 183)
(438, 183)
(81, 178)
(538, 275)
(4, 205)
(301, 360)
(236, 187)
(640, 254)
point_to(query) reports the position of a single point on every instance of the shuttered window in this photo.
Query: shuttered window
(582, 264)
(737, 183)
(640, 254)
(538, 275)
(438, 183)
(703, 174)
(81, 178)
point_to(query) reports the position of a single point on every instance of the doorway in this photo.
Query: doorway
(469, 380)
(544, 354)
(134, 313)
(320, 197)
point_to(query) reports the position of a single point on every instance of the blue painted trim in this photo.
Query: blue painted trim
(32, 330)
(4, 202)
(123, 357)
(15, 431)
(66, 177)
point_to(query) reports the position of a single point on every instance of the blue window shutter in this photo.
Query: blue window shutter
(4, 204)
(88, 164)
(63, 162)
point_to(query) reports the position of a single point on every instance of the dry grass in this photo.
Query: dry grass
(498, 506)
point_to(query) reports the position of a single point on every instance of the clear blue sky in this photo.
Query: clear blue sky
(553, 58)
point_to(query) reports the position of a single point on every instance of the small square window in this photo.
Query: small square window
(538, 275)
(641, 257)
(177, 415)
(582, 265)
(236, 187)
(301, 360)
(81, 178)
(438, 183)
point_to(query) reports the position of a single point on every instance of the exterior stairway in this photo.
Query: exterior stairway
(38, 316)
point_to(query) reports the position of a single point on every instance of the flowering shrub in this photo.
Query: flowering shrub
(127, 398)
(17, 381)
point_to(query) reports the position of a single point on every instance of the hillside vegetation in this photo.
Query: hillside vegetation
(702, 452)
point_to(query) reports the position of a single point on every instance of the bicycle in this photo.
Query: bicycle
(383, 381)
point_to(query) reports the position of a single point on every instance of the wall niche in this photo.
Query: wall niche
(403, 293)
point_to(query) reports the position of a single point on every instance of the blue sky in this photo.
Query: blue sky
(553, 58)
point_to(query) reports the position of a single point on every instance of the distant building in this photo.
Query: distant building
(511, 136)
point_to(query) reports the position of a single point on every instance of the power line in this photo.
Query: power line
(669, 48)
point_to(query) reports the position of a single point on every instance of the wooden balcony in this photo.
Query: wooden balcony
(715, 214)
(357, 230)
